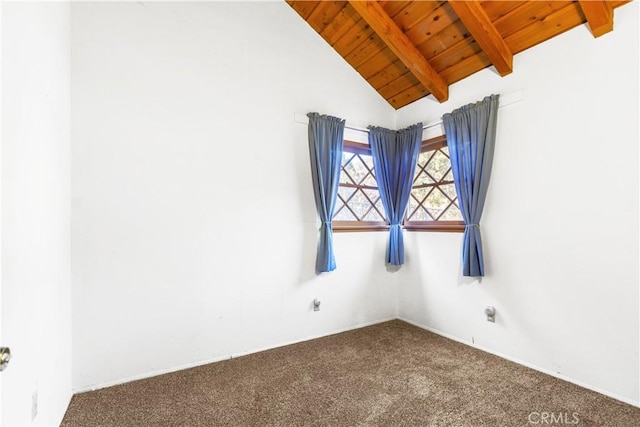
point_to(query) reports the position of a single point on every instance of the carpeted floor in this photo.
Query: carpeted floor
(391, 374)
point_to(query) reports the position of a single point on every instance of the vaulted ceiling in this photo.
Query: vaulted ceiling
(407, 50)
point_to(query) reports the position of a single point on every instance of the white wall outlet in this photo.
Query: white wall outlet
(34, 405)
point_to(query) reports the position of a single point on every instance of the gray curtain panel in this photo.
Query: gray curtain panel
(395, 154)
(471, 136)
(325, 151)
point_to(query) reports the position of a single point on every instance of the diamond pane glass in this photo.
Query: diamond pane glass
(368, 161)
(412, 207)
(436, 203)
(370, 181)
(357, 169)
(373, 215)
(438, 166)
(380, 209)
(372, 194)
(451, 214)
(421, 215)
(344, 214)
(448, 176)
(339, 205)
(422, 179)
(432, 199)
(359, 190)
(359, 204)
(345, 193)
(424, 157)
(420, 193)
(449, 190)
(346, 159)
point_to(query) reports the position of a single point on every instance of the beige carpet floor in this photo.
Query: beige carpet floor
(391, 374)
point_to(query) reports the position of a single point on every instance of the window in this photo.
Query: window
(358, 207)
(432, 204)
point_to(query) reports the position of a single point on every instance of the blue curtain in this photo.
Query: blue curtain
(471, 136)
(395, 154)
(325, 150)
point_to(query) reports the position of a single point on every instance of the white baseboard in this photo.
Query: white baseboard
(523, 363)
(357, 326)
(223, 357)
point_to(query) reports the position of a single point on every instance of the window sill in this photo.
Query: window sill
(448, 227)
(350, 227)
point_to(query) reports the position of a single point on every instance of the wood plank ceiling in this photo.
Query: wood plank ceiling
(407, 50)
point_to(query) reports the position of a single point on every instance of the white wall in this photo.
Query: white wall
(560, 226)
(36, 290)
(180, 112)
(194, 226)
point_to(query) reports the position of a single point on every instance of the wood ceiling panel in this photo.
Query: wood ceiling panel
(357, 34)
(466, 67)
(435, 21)
(343, 22)
(496, 9)
(371, 48)
(398, 85)
(453, 74)
(443, 40)
(324, 14)
(456, 53)
(485, 34)
(414, 13)
(304, 8)
(408, 96)
(384, 58)
(402, 47)
(528, 13)
(558, 22)
(377, 63)
(393, 7)
(365, 51)
(373, 45)
(436, 37)
(388, 74)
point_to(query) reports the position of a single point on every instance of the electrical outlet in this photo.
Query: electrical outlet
(490, 311)
(34, 405)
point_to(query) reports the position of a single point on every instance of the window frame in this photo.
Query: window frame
(433, 226)
(442, 226)
(351, 226)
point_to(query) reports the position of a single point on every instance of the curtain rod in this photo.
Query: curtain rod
(507, 99)
(427, 126)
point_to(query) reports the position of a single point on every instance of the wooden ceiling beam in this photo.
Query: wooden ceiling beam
(402, 47)
(476, 20)
(599, 15)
